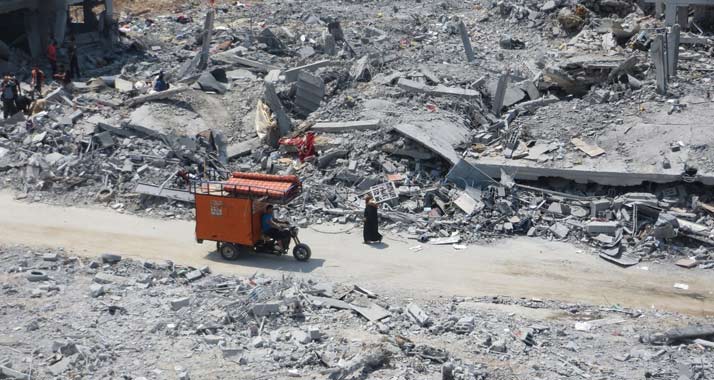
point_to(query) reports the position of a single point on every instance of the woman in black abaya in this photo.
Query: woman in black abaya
(371, 221)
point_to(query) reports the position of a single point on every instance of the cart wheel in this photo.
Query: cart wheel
(302, 252)
(229, 251)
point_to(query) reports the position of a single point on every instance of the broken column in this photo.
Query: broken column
(683, 17)
(500, 94)
(657, 54)
(60, 12)
(32, 28)
(659, 8)
(329, 46)
(207, 33)
(670, 13)
(467, 42)
(272, 100)
(673, 50)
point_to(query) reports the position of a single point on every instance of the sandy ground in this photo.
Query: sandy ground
(519, 267)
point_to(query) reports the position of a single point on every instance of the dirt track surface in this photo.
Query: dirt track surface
(515, 267)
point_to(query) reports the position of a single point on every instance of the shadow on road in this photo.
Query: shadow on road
(267, 261)
(380, 245)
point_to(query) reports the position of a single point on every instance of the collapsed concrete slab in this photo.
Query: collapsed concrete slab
(155, 96)
(346, 126)
(439, 136)
(438, 90)
(291, 75)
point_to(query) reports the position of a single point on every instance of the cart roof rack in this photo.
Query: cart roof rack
(267, 187)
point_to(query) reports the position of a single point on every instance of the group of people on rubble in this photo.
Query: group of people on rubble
(11, 94)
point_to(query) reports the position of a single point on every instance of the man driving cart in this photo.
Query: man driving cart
(276, 229)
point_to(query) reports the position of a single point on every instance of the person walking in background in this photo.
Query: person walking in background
(38, 78)
(52, 56)
(8, 94)
(73, 59)
(371, 221)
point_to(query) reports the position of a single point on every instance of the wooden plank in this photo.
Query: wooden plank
(590, 150)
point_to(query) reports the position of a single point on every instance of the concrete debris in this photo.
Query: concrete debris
(576, 140)
(360, 71)
(345, 126)
(309, 92)
(179, 303)
(438, 90)
(208, 82)
(466, 39)
(419, 316)
(110, 258)
(322, 332)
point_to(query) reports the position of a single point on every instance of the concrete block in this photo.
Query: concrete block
(96, 290)
(310, 89)
(267, 308)
(229, 352)
(418, 315)
(596, 228)
(194, 275)
(314, 332)
(598, 206)
(301, 337)
(50, 257)
(212, 340)
(559, 208)
(258, 342)
(123, 85)
(179, 303)
(110, 258)
(560, 230)
(104, 278)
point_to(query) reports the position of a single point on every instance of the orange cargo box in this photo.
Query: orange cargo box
(229, 211)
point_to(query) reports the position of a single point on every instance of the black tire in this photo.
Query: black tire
(229, 251)
(302, 252)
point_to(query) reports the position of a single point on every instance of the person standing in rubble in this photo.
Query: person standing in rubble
(371, 221)
(73, 59)
(8, 94)
(160, 83)
(52, 56)
(64, 77)
(38, 78)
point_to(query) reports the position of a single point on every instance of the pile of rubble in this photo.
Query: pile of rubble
(66, 317)
(407, 102)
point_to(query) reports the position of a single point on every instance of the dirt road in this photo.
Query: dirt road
(513, 267)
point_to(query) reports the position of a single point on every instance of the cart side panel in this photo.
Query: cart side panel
(224, 219)
(257, 228)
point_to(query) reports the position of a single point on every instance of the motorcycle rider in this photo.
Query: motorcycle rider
(276, 229)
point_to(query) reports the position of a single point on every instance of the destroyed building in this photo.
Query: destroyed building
(579, 121)
(30, 24)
